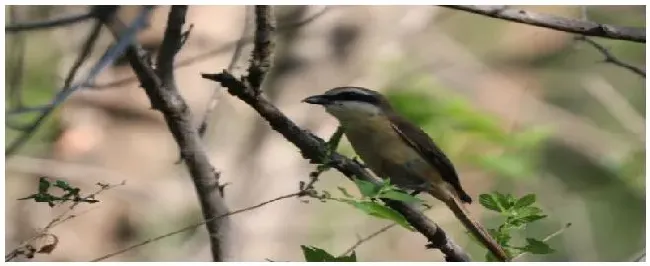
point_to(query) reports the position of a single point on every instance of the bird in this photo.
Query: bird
(395, 148)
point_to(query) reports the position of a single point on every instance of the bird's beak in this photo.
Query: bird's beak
(317, 99)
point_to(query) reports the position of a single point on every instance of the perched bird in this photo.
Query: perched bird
(394, 148)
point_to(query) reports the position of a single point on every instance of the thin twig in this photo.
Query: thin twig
(361, 241)
(106, 60)
(582, 27)
(59, 219)
(214, 99)
(190, 227)
(217, 51)
(610, 58)
(86, 50)
(41, 25)
(546, 239)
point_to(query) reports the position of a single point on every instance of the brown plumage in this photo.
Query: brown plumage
(414, 161)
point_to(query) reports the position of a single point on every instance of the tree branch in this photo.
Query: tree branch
(582, 27)
(263, 46)
(610, 58)
(106, 60)
(216, 51)
(40, 25)
(160, 87)
(315, 150)
(86, 50)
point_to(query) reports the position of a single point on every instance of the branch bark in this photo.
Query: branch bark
(315, 150)
(160, 87)
(263, 46)
(312, 147)
(582, 27)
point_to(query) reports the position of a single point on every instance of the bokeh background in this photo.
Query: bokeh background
(519, 109)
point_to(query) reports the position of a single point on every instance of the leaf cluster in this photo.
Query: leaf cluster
(69, 193)
(517, 214)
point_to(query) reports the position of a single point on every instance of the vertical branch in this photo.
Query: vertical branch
(263, 46)
(160, 87)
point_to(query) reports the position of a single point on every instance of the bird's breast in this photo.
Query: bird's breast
(386, 154)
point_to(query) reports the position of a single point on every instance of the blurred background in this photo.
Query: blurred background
(518, 109)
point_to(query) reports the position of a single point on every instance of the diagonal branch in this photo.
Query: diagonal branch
(360, 241)
(610, 58)
(86, 50)
(315, 150)
(106, 60)
(160, 87)
(582, 27)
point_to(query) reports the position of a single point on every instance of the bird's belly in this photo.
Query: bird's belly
(389, 157)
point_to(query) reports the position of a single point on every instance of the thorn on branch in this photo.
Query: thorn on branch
(185, 36)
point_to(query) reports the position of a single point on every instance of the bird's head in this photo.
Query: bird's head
(349, 104)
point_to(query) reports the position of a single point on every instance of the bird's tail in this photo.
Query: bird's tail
(476, 229)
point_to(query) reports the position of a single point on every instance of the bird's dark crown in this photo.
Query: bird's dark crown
(357, 94)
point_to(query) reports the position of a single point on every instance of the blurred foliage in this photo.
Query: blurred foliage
(468, 135)
(38, 85)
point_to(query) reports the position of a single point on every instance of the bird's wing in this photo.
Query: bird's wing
(422, 143)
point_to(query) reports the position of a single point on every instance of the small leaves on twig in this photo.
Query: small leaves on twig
(518, 214)
(70, 193)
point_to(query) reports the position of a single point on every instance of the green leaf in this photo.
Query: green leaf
(366, 188)
(344, 192)
(527, 211)
(314, 254)
(505, 200)
(380, 211)
(400, 196)
(489, 202)
(43, 185)
(63, 185)
(525, 201)
(535, 246)
(530, 218)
